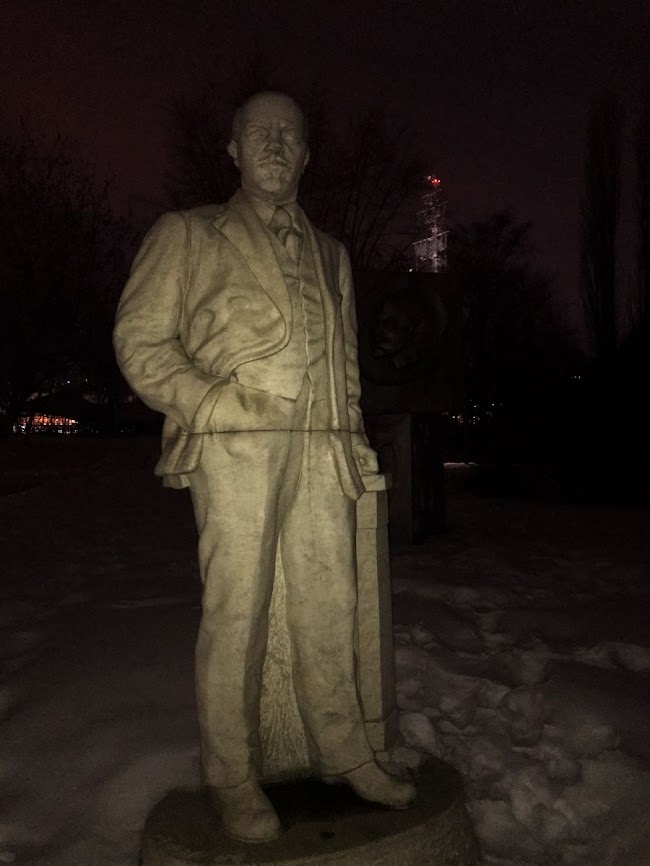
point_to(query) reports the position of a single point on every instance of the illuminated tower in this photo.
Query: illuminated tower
(430, 251)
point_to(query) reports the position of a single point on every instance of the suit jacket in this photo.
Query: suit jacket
(206, 295)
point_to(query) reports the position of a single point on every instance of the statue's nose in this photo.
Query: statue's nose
(274, 141)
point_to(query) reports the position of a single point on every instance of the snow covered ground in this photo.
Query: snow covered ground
(522, 649)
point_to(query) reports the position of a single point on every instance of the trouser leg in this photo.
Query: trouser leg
(319, 560)
(235, 492)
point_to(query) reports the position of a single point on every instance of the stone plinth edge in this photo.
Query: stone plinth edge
(322, 825)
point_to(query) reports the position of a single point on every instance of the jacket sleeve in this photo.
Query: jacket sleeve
(147, 328)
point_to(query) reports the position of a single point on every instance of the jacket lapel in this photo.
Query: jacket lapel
(243, 228)
(326, 275)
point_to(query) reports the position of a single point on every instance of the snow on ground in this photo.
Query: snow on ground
(522, 651)
(523, 658)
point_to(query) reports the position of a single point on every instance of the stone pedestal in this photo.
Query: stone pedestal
(375, 652)
(322, 825)
(285, 754)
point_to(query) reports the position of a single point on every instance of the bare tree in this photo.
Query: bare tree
(57, 250)
(509, 319)
(633, 367)
(600, 220)
(199, 169)
(517, 354)
(643, 214)
(368, 189)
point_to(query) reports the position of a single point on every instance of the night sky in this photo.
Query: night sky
(497, 90)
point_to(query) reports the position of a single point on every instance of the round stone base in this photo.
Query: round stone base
(322, 824)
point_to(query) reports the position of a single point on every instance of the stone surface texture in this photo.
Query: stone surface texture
(374, 644)
(285, 754)
(238, 323)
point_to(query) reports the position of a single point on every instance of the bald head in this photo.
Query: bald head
(267, 99)
(269, 146)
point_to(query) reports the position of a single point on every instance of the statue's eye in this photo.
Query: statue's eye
(256, 133)
(290, 135)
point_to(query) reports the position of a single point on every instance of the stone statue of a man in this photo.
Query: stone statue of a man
(238, 323)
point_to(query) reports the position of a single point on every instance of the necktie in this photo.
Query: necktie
(282, 225)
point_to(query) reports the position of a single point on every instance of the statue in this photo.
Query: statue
(238, 323)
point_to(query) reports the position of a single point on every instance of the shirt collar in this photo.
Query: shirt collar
(265, 209)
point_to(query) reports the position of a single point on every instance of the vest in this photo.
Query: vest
(283, 373)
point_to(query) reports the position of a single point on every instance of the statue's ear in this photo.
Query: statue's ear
(305, 161)
(233, 151)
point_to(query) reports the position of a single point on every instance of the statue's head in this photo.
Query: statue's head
(269, 146)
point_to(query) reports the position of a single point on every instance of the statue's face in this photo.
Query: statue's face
(270, 148)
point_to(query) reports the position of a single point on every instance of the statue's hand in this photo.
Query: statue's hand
(241, 409)
(365, 458)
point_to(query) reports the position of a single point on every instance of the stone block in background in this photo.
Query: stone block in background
(410, 449)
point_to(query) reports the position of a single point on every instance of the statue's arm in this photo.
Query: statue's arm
(147, 327)
(364, 454)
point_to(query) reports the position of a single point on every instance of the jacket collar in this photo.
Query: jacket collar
(246, 232)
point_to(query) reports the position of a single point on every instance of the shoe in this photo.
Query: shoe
(246, 812)
(371, 783)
